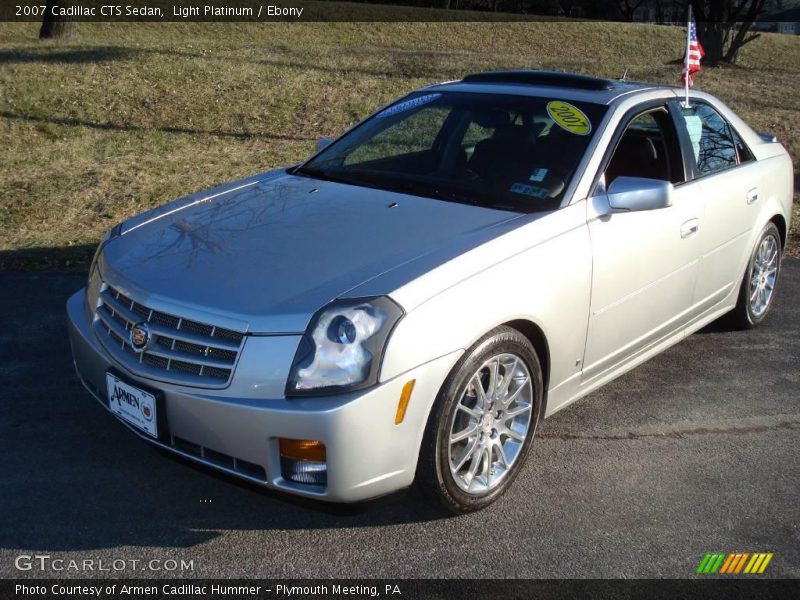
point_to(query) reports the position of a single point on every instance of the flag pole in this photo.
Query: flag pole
(686, 57)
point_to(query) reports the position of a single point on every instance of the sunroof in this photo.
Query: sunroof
(550, 78)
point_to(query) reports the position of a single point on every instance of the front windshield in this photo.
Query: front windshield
(501, 151)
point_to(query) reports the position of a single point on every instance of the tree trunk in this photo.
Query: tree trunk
(741, 36)
(628, 8)
(659, 10)
(712, 36)
(56, 26)
(723, 27)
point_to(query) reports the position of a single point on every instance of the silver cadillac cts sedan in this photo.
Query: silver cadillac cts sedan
(404, 307)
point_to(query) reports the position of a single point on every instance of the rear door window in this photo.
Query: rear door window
(713, 141)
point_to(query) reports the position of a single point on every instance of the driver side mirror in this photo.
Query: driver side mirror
(323, 143)
(639, 193)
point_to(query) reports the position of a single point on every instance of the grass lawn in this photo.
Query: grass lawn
(126, 116)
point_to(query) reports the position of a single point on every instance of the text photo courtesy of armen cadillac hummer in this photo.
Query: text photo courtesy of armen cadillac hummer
(432, 293)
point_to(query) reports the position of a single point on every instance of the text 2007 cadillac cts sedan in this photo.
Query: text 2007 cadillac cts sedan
(404, 307)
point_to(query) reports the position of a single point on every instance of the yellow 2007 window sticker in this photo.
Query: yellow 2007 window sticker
(569, 117)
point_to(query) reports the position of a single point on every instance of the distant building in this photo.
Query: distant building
(791, 28)
(785, 21)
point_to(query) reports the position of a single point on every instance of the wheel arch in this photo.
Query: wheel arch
(426, 476)
(536, 336)
(780, 223)
(538, 340)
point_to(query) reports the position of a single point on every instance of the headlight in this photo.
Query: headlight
(343, 347)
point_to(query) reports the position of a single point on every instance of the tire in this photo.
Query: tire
(760, 278)
(490, 446)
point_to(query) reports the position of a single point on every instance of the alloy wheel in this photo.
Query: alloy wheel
(490, 424)
(763, 274)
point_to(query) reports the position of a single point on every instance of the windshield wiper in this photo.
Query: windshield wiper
(441, 193)
(328, 176)
(319, 174)
(386, 181)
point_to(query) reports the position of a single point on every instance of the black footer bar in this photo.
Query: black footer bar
(400, 589)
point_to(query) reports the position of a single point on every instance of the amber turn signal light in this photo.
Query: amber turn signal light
(313, 450)
(405, 396)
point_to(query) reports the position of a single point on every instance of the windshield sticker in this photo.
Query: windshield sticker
(569, 117)
(408, 105)
(530, 190)
(538, 175)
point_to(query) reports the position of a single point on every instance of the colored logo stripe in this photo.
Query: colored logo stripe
(711, 562)
(734, 563)
(758, 563)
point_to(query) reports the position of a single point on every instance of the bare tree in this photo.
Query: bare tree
(569, 8)
(56, 26)
(628, 8)
(723, 26)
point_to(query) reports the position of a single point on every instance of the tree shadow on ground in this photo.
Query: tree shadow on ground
(67, 258)
(72, 55)
(110, 126)
(76, 479)
(401, 62)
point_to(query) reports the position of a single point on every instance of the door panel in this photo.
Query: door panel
(722, 166)
(644, 262)
(731, 208)
(644, 272)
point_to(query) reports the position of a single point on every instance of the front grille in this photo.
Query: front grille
(180, 350)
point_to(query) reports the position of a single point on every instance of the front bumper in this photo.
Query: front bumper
(236, 430)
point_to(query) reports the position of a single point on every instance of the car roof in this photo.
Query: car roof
(569, 86)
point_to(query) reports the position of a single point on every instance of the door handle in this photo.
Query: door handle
(752, 196)
(690, 227)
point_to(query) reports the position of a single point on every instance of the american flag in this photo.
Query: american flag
(694, 52)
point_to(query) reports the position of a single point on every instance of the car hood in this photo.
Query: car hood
(264, 254)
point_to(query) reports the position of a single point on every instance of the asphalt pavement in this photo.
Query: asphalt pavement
(697, 450)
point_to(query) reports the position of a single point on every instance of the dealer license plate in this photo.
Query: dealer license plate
(135, 406)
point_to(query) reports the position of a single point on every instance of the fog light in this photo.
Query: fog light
(304, 471)
(304, 461)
